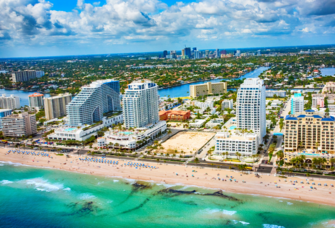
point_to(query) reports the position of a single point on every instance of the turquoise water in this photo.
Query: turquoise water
(70, 129)
(33, 197)
(278, 134)
(232, 127)
(126, 132)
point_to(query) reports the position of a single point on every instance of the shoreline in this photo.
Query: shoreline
(171, 174)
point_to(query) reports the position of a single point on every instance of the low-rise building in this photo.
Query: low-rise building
(84, 132)
(232, 142)
(278, 93)
(174, 115)
(197, 123)
(227, 103)
(214, 122)
(318, 100)
(131, 139)
(208, 89)
(19, 125)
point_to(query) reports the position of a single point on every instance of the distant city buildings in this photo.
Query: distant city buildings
(36, 100)
(19, 125)
(250, 107)
(4, 113)
(23, 76)
(140, 104)
(56, 106)
(297, 103)
(165, 54)
(217, 53)
(208, 89)
(10, 102)
(89, 106)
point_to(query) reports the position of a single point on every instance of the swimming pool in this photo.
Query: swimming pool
(232, 127)
(126, 132)
(278, 134)
(70, 129)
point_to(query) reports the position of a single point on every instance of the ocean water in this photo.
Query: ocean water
(34, 197)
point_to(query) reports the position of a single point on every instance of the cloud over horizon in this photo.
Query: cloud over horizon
(126, 23)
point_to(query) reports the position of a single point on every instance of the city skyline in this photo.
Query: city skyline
(31, 28)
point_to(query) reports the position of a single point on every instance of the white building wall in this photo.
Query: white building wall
(250, 107)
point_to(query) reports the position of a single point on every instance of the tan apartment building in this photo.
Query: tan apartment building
(56, 106)
(309, 131)
(19, 125)
(208, 89)
(311, 134)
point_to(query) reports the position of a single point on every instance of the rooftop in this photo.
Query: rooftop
(36, 95)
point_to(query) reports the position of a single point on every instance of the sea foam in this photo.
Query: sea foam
(272, 226)
(43, 185)
(6, 182)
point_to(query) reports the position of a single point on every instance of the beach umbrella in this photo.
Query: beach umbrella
(311, 187)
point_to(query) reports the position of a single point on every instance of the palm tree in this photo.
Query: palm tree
(226, 153)
(238, 155)
(332, 161)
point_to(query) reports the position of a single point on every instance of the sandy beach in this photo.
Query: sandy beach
(181, 175)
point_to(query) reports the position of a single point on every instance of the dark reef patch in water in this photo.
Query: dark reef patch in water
(135, 208)
(177, 192)
(84, 209)
(180, 192)
(220, 194)
(137, 186)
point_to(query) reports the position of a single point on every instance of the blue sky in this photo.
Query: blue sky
(31, 28)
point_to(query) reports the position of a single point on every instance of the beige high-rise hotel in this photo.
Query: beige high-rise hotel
(56, 106)
(208, 89)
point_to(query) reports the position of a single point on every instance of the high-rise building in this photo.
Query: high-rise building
(217, 53)
(18, 125)
(223, 52)
(11, 102)
(208, 89)
(140, 104)
(250, 106)
(196, 54)
(23, 76)
(56, 106)
(297, 103)
(93, 101)
(4, 113)
(186, 52)
(36, 100)
(165, 54)
(173, 53)
(309, 130)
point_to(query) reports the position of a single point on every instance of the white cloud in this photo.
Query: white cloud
(120, 21)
